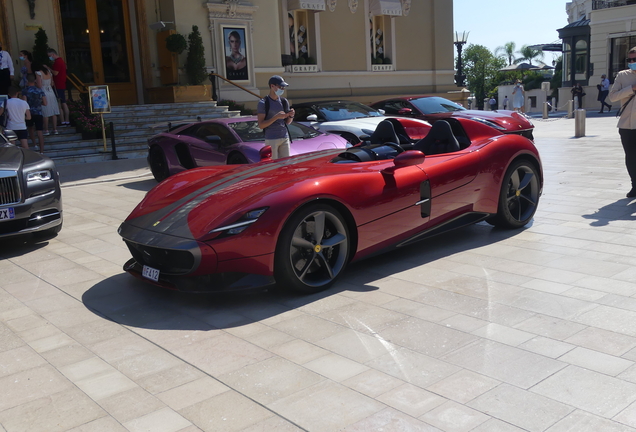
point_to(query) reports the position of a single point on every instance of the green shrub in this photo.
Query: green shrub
(195, 60)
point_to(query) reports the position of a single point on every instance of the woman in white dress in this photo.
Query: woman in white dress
(44, 80)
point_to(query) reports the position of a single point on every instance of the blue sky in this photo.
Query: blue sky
(492, 23)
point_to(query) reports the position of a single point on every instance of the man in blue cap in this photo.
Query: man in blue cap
(274, 115)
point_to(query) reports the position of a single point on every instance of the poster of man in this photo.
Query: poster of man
(235, 54)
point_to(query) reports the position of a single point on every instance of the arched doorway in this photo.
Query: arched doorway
(98, 45)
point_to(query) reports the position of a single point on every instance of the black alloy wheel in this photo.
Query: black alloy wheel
(519, 196)
(158, 164)
(313, 249)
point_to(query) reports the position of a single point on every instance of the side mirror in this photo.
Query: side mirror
(405, 111)
(312, 117)
(213, 139)
(381, 111)
(407, 158)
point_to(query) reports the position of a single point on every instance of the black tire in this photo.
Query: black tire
(519, 196)
(309, 261)
(158, 164)
(236, 159)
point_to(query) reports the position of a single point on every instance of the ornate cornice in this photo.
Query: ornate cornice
(353, 5)
(233, 9)
(332, 5)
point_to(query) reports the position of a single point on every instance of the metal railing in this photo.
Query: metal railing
(606, 4)
(211, 76)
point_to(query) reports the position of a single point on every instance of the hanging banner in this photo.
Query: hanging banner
(318, 5)
(385, 7)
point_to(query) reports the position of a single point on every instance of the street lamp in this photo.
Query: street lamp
(460, 40)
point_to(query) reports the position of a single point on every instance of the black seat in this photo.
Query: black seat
(384, 133)
(440, 139)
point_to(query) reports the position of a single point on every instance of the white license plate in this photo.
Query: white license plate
(7, 213)
(150, 273)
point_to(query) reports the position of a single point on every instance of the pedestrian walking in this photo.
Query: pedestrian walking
(17, 115)
(59, 79)
(518, 100)
(623, 91)
(505, 102)
(36, 98)
(6, 71)
(493, 104)
(603, 91)
(274, 115)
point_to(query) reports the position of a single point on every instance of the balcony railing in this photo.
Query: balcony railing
(605, 4)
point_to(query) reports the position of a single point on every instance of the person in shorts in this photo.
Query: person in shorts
(59, 79)
(17, 114)
(36, 98)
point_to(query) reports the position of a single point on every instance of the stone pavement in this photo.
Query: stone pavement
(479, 330)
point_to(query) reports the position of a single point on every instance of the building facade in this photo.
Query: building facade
(356, 49)
(596, 42)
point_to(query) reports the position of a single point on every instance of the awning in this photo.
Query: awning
(385, 7)
(318, 5)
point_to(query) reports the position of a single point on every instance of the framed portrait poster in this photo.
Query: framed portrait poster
(235, 48)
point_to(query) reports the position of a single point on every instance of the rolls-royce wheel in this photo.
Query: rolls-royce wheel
(158, 164)
(313, 249)
(519, 196)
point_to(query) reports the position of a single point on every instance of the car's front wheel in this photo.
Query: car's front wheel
(519, 196)
(313, 249)
(158, 164)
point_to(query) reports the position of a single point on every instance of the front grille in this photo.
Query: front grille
(9, 190)
(165, 260)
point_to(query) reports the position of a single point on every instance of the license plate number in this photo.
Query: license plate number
(7, 213)
(150, 273)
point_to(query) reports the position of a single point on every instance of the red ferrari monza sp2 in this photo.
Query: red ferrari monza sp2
(297, 222)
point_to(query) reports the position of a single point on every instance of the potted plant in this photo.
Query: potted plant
(176, 44)
(195, 60)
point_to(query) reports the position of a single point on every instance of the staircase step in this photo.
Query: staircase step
(133, 125)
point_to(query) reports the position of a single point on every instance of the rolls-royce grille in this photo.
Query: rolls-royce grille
(165, 260)
(9, 190)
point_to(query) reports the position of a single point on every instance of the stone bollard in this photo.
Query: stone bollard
(546, 107)
(570, 108)
(579, 123)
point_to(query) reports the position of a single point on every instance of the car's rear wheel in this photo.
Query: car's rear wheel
(158, 164)
(236, 159)
(519, 196)
(313, 249)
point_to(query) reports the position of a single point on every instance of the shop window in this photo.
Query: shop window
(302, 40)
(380, 27)
(619, 48)
(580, 60)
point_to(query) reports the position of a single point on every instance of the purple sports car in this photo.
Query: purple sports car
(236, 140)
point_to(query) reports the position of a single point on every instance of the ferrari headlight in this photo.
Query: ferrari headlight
(489, 123)
(240, 225)
(43, 175)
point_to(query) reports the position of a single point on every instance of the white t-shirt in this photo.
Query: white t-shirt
(16, 110)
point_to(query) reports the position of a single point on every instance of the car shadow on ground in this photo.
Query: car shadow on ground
(623, 209)
(11, 247)
(140, 185)
(131, 302)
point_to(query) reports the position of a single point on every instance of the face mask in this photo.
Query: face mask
(21, 58)
(51, 58)
(632, 66)
(280, 92)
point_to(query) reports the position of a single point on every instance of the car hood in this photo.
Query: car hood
(510, 120)
(11, 158)
(186, 205)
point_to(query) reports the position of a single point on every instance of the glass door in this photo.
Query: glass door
(98, 45)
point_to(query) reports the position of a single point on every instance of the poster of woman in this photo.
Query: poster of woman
(235, 54)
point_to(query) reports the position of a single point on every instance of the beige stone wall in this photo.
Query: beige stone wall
(422, 56)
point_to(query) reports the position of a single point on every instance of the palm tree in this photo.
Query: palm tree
(528, 54)
(507, 50)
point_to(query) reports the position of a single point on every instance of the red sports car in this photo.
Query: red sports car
(433, 108)
(299, 221)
